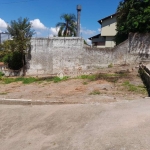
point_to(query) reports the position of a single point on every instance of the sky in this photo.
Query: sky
(45, 14)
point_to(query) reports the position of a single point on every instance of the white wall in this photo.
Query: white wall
(101, 46)
(109, 41)
(51, 56)
(108, 27)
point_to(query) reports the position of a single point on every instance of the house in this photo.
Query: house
(108, 31)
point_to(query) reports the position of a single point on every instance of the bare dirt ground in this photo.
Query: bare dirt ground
(110, 89)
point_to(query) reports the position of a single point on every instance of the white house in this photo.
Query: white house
(108, 31)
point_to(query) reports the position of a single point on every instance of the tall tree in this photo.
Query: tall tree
(21, 33)
(68, 27)
(133, 16)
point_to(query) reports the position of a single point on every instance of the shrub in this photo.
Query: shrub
(1, 74)
(110, 65)
(14, 60)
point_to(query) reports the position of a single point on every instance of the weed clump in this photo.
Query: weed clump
(21, 79)
(85, 83)
(134, 88)
(30, 80)
(57, 79)
(89, 77)
(104, 76)
(110, 65)
(95, 92)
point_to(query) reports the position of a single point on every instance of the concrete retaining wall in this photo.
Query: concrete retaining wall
(68, 55)
(144, 71)
(49, 56)
(139, 44)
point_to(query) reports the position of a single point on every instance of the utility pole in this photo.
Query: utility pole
(78, 19)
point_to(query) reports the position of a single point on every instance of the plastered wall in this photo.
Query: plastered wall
(54, 55)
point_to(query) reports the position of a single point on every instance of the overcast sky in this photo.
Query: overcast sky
(44, 14)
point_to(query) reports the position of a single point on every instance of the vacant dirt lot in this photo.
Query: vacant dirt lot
(113, 84)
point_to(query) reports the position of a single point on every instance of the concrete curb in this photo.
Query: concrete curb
(31, 102)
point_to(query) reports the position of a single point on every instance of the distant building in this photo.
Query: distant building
(4, 36)
(108, 31)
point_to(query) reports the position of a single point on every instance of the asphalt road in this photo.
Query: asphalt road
(123, 125)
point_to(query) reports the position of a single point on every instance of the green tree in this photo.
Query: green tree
(132, 16)
(68, 27)
(21, 33)
(5, 48)
(13, 60)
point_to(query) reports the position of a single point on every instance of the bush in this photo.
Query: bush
(1, 74)
(14, 60)
(2, 55)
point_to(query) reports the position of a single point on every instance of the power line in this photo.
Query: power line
(18, 2)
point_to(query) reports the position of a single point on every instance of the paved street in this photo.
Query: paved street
(123, 125)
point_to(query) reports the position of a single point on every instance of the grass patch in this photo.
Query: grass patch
(85, 83)
(8, 80)
(108, 77)
(29, 80)
(104, 76)
(32, 80)
(53, 79)
(133, 88)
(57, 79)
(101, 76)
(89, 77)
(3, 93)
(95, 92)
(21, 79)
